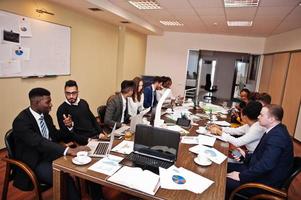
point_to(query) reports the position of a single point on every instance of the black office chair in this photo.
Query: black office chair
(209, 89)
(12, 164)
(101, 111)
(271, 193)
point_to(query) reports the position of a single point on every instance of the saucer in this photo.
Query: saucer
(202, 163)
(84, 162)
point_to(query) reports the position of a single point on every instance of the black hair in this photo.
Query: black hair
(252, 110)
(157, 79)
(38, 92)
(265, 98)
(127, 85)
(71, 83)
(275, 111)
(246, 91)
(165, 81)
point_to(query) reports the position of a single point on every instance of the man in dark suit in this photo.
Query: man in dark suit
(273, 157)
(116, 111)
(36, 141)
(150, 92)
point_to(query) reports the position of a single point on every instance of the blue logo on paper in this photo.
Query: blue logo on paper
(19, 52)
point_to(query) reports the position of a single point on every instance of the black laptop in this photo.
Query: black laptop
(153, 148)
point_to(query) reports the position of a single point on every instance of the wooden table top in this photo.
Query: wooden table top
(214, 172)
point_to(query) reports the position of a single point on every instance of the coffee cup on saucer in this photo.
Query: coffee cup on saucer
(169, 110)
(201, 130)
(202, 160)
(82, 156)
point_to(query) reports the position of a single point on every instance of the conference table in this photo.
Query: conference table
(214, 172)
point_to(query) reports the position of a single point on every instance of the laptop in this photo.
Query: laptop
(153, 148)
(101, 148)
(138, 119)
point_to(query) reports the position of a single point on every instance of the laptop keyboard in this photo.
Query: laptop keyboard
(148, 161)
(101, 148)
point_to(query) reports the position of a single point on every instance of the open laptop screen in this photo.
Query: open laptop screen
(156, 142)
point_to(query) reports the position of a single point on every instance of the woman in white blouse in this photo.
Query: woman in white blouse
(135, 102)
(249, 134)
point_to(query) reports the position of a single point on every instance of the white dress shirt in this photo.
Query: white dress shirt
(134, 107)
(249, 135)
(123, 108)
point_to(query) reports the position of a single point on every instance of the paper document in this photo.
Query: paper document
(206, 140)
(134, 177)
(125, 147)
(222, 123)
(211, 153)
(107, 165)
(175, 178)
(214, 136)
(190, 140)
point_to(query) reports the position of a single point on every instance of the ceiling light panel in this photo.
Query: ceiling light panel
(239, 23)
(145, 4)
(240, 3)
(171, 23)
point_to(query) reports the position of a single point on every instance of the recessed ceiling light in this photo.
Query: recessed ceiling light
(171, 23)
(240, 3)
(239, 23)
(145, 4)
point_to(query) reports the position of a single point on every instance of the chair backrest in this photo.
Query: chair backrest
(101, 110)
(208, 82)
(10, 143)
(296, 169)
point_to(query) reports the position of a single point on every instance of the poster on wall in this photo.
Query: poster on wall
(24, 27)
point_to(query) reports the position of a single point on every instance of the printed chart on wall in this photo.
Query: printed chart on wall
(31, 47)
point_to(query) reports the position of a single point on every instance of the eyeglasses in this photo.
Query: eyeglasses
(71, 93)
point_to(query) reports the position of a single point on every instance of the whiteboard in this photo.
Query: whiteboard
(43, 49)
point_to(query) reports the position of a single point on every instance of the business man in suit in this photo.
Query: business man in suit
(36, 142)
(116, 111)
(273, 157)
(149, 92)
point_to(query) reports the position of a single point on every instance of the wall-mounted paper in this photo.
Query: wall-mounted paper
(20, 53)
(25, 27)
(5, 52)
(10, 67)
(10, 37)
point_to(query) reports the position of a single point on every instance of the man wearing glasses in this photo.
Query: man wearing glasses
(74, 114)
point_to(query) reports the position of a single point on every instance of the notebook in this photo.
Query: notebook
(101, 148)
(153, 148)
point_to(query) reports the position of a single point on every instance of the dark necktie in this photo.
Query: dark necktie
(44, 129)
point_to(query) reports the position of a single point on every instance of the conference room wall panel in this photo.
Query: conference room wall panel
(278, 76)
(266, 73)
(292, 94)
(94, 53)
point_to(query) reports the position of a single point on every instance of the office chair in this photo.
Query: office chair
(273, 193)
(12, 163)
(209, 89)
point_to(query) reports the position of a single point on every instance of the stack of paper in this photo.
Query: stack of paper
(222, 123)
(125, 147)
(108, 165)
(175, 178)
(211, 153)
(138, 179)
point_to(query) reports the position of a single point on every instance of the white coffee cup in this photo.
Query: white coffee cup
(203, 160)
(169, 110)
(201, 129)
(82, 156)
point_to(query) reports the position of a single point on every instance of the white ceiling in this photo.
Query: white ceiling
(198, 16)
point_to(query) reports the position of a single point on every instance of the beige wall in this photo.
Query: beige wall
(94, 56)
(287, 41)
(167, 54)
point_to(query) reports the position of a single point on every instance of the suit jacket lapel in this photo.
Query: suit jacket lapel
(34, 122)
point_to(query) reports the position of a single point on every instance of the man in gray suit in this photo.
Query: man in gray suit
(116, 111)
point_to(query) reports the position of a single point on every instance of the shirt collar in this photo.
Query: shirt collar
(36, 115)
(75, 103)
(123, 99)
(268, 130)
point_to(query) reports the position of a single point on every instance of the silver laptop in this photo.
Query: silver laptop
(101, 148)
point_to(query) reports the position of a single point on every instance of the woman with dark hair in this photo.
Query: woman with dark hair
(135, 102)
(250, 133)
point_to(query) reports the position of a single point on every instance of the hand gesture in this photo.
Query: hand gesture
(234, 175)
(67, 120)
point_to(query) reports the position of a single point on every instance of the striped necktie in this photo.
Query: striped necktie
(44, 129)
